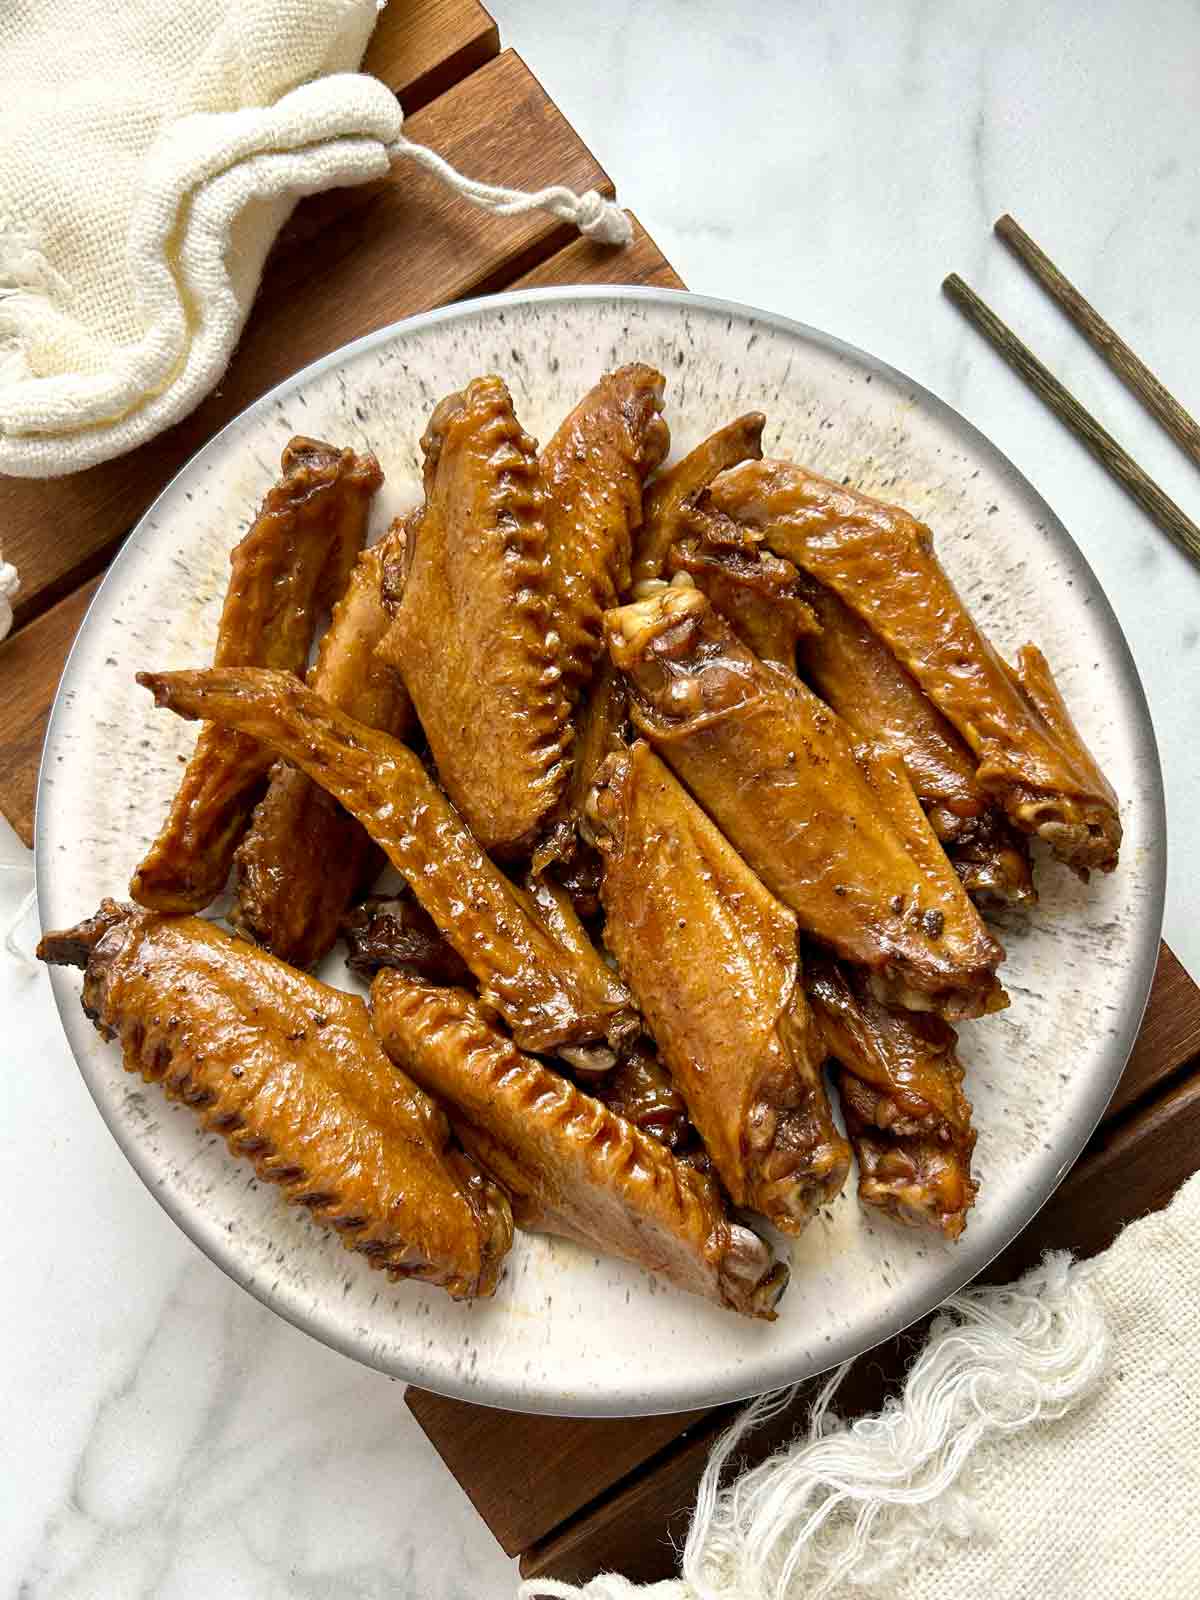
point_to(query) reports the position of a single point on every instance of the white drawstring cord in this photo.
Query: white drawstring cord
(14, 922)
(9, 584)
(594, 216)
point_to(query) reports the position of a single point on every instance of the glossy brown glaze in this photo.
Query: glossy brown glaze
(711, 957)
(572, 1166)
(773, 766)
(549, 995)
(640, 1089)
(291, 1074)
(472, 634)
(551, 905)
(399, 933)
(993, 861)
(309, 531)
(303, 857)
(599, 723)
(594, 469)
(396, 931)
(599, 727)
(675, 491)
(881, 562)
(580, 877)
(792, 621)
(755, 591)
(896, 798)
(856, 674)
(902, 1099)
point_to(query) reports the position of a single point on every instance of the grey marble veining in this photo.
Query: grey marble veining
(164, 1435)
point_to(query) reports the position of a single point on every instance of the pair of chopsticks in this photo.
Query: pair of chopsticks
(1132, 371)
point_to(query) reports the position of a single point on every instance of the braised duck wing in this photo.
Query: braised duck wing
(290, 1073)
(572, 1166)
(711, 957)
(548, 994)
(774, 768)
(292, 562)
(881, 563)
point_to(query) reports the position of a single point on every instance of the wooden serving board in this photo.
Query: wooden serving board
(576, 1497)
(570, 1497)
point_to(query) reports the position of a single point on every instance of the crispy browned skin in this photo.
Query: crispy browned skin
(397, 932)
(304, 857)
(290, 1072)
(772, 765)
(594, 469)
(573, 1167)
(881, 562)
(672, 494)
(312, 523)
(473, 629)
(901, 1090)
(549, 995)
(755, 591)
(711, 957)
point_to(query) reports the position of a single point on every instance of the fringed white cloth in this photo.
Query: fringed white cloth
(1044, 1441)
(149, 154)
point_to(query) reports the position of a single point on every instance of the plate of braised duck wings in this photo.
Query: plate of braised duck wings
(623, 815)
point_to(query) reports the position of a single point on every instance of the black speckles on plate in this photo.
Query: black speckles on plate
(566, 1332)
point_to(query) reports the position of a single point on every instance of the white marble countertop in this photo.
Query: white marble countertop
(164, 1435)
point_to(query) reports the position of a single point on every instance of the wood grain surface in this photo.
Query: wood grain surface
(31, 673)
(559, 1470)
(613, 1531)
(1131, 1171)
(547, 1467)
(350, 261)
(421, 48)
(1169, 1040)
(576, 1497)
(583, 261)
(31, 664)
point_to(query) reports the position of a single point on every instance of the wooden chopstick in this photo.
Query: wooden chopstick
(1130, 368)
(1118, 462)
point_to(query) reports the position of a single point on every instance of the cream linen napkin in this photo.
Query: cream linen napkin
(149, 154)
(1045, 1444)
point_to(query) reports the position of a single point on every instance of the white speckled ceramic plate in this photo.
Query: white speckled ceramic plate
(570, 1332)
